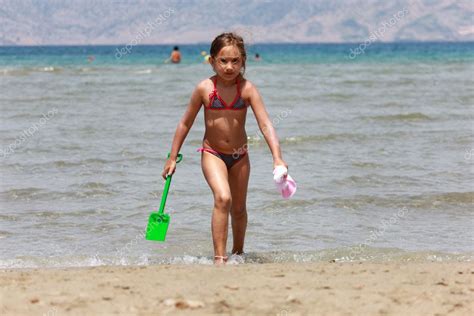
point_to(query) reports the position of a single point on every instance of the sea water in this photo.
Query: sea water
(380, 144)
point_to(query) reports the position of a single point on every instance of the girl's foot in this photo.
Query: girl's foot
(237, 258)
(220, 259)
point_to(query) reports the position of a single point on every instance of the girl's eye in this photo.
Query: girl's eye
(235, 60)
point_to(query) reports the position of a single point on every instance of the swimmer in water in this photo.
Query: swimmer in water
(175, 56)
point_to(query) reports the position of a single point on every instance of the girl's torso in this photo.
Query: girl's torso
(224, 115)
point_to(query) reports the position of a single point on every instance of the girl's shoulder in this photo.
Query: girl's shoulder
(247, 88)
(205, 85)
(206, 82)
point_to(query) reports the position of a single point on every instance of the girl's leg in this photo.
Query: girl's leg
(238, 181)
(215, 172)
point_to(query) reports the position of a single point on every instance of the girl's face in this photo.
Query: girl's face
(228, 62)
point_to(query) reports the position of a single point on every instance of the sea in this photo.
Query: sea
(378, 137)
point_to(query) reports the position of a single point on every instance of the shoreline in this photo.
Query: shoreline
(355, 288)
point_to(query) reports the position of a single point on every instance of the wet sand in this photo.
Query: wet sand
(393, 288)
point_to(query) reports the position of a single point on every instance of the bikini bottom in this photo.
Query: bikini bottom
(229, 159)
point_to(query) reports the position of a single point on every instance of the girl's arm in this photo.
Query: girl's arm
(182, 130)
(266, 126)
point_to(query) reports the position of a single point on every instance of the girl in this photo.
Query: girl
(224, 159)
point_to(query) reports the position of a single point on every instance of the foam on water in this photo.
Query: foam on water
(369, 254)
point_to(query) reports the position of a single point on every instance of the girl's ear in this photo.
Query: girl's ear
(211, 62)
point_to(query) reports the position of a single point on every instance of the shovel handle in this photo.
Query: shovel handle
(167, 186)
(178, 158)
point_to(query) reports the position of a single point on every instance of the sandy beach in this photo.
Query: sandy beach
(253, 289)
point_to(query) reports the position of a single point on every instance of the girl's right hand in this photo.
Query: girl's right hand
(170, 167)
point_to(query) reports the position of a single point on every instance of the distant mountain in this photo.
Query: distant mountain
(45, 22)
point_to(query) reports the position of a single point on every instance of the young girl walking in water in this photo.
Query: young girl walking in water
(224, 158)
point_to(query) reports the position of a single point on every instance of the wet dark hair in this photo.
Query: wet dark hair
(176, 48)
(229, 39)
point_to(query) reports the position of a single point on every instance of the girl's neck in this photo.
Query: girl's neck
(227, 83)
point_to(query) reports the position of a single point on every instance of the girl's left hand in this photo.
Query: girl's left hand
(279, 162)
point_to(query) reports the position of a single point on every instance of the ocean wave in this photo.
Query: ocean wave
(366, 165)
(417, 116)
(25, 193)
(374, 180)
(457, 198)
(62, 163)
(277, 205)
(334, 255)
(24, 71)
(423, 201)
(4, 234)
(26, 115)
(16, 71)
(9, 217)
(34, 167)
(88, 190)
(338, 96)
(143, 158)
(93, 69)
(257, 139)
(143, 72)
(36, 216)
(70, 146)
(93, 185)
(49, 69)
(91, 165)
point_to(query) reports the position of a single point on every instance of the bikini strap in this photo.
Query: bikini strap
(213, 93)
(209, 150)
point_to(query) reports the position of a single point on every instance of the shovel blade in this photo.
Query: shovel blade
(157, 226)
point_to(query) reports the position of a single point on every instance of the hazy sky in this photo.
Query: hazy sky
(190, 21)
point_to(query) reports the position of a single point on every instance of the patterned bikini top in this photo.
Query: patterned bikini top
(216, 102)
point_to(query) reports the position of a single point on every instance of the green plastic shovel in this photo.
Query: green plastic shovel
(158, 222)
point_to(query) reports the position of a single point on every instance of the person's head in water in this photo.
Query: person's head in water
(228, 56)
(176, 48)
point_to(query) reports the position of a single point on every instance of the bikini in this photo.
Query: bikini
(217, 103)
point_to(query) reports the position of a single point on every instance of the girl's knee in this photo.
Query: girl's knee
(238, 211)
(223, 201)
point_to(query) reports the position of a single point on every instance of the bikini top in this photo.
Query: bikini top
(216, 102)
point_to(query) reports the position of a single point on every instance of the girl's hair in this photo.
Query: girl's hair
(229, 39)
